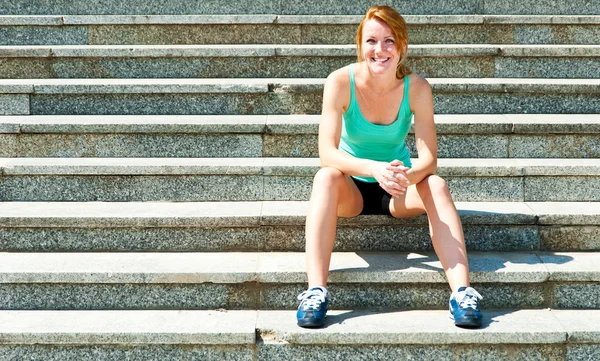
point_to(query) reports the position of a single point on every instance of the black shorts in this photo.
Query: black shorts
(375, 199)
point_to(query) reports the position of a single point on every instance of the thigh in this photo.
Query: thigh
(408, 205)
(350, 202)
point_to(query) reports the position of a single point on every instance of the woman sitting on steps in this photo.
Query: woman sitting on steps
(366, 166)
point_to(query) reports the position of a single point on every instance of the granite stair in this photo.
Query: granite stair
(156, 159)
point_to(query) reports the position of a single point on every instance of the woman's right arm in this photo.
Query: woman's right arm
(336, 97)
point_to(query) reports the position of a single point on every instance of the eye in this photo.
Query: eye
(370, 41)
(390, 41)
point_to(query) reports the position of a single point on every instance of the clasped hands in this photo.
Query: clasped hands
(392, 177)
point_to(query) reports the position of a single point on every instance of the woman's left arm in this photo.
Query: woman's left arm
(421, 103)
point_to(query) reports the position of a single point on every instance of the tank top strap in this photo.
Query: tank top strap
(405, 98)
(351, 70)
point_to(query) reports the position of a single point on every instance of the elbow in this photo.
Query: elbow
(326, 162)
(433, 166)
(326, 157)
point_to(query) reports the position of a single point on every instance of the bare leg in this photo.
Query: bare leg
(333, 194)
(431, 195)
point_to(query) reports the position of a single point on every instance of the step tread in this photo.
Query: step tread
(431, 327)
(291, 50)
(285, 85)
(289, 267)
(303, 167)
(58, 20)
(434, 327)
(271, 213)
(128, 327)
(288, 124)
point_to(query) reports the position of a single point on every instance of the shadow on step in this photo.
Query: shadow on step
(479, 262)
(425, 321)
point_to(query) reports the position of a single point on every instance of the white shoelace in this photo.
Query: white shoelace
(312, 298)
(469, 298)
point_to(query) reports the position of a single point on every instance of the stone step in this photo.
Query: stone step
(273, 280)
(459, 136)
(295, 61)
(281, 96)
(275, 179)
(279, 226)
(291, 29)
(288, 7)
(543, 334)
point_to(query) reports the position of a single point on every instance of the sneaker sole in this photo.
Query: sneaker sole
(467, 322)
(311, 323)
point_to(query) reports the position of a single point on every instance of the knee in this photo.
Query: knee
(434, 186)
(328, 177)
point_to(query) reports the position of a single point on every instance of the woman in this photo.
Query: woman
(366, 167)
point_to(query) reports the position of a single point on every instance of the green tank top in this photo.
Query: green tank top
(363, 139)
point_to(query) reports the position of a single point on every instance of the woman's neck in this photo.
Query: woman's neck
(378, 84)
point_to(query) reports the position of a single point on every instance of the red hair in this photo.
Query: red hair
(395, 21)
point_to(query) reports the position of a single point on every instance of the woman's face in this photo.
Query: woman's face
(379, 47)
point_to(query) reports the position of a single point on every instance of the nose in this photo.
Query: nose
(379, 46)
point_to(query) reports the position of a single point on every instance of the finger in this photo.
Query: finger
(397, 169)
(401, 179)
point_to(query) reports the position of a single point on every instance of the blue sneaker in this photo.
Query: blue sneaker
(313, 307)
(464, 307)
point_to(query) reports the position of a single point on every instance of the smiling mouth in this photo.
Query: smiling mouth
(379, 61)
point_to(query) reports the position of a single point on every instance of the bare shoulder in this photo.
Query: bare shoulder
(340, 78)
(337, 89)
(420, 91)
(418, 84)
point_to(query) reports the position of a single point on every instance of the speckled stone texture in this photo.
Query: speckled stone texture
(338, 34)
(271, 103)
(453, 67)
(188, 67)
(555, 146)
(133, 188)
(408, 296)
(583, 352)
(265, 296)
(281, 145)
(128, 296)
(136, 145)
(144, 7)
(287, 188)
(43, 35)
(145, 239)
(8, 145)
(537, 7)
(516, 103)
(505, 238)
(14, 104)
(408, 7)
(461, 146)
(460, 34)
(570, 189)
(281, 352)
(570, 238)
(131, 353)
(490, 189)
(19, 68)
(196, 34)
(554, 67)
(576, 295)
(556, 34)
(289, 66)
(290, 7)
(467, 146)
(283, 238)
